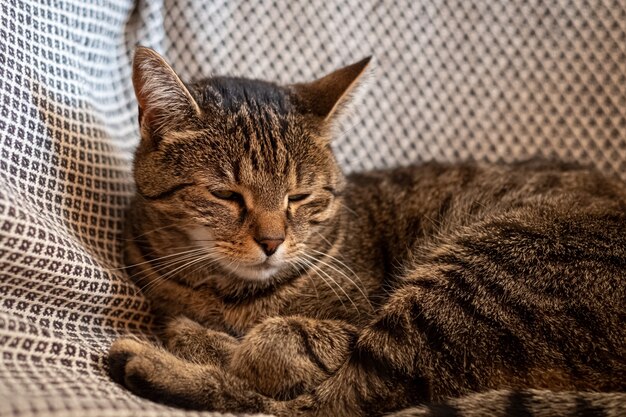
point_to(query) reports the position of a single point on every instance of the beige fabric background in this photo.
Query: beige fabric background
(454, 80)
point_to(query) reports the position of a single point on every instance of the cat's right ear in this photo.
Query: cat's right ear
(165, 104)
(327, 97)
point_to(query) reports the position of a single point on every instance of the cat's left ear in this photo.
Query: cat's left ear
(328, 97)
(165, 103)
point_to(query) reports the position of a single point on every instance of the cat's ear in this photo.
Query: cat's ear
(165, 104)
(326, 97)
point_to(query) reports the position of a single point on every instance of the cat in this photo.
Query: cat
(288, 288)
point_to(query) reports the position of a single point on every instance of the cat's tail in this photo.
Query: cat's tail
(526, 403)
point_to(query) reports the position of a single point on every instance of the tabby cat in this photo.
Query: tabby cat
(290, 289)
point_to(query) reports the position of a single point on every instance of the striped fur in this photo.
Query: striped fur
(479, 289)
(535, 403)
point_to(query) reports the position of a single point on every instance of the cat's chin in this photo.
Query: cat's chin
(254, 273)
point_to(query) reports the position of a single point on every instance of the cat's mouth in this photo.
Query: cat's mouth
(261, 270)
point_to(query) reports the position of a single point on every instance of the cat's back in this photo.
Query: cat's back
(410, 207)
(521, 267)
(440, 193)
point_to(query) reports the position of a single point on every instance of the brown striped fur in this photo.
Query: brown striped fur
(308, 293)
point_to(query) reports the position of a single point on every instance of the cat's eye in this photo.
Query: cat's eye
(297, 197)
(227, 195)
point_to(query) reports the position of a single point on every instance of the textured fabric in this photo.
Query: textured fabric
(454, 80)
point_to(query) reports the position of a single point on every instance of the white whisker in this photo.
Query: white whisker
(157, 268)
(343, 274)
(196, 249)
(210, 262)
(298, 263)
(156, 230)
(333, 281)
(315, 270)
(354, 213)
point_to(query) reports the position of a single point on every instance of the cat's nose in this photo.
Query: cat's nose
(269, 245)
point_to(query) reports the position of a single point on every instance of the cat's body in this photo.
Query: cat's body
(391, 289)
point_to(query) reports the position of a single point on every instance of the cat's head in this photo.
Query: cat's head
(245, 167)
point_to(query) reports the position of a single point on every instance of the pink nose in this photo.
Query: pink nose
(269, 245)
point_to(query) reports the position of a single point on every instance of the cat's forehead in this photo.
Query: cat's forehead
(255, 137)
(233, 94)
(264, 150)
(258, 148)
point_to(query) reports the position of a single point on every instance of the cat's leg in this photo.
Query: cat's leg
(379, 374)
(192, 341)
(156, 374)
(376, 375)
(283, 357)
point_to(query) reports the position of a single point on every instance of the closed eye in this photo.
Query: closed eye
(298, 197)
(227, 195)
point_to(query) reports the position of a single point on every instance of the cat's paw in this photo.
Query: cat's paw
(181, 327)
(121, 351)
(131, 361)
(190, 340)
(154, 373)
(158, 375)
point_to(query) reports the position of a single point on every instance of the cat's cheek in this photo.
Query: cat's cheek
(319, 217)
(203, 236)
(169, 208)
(317, 212)
(298, 229)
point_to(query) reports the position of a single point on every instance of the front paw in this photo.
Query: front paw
(154, 373)
(132, 364)
(121, 351)
(158, 375)
(180, 327)
(191, 341)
